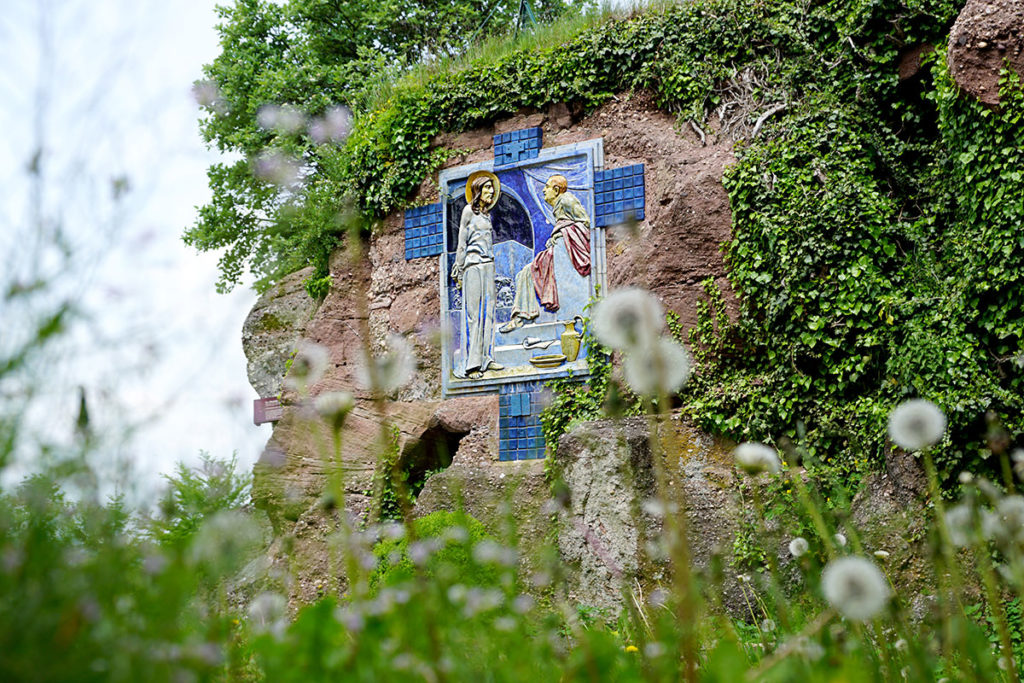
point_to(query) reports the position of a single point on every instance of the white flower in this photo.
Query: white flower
(287, 119)
(1018, 462)
(756, 457)
(960, 523)
(224, 540)
(1009, 516)
(308, 366)
(267, 613)
(333, 126)
(334, 406)
(767, 625)
(523, 603)
(390, 371)
(277, 168)
(662, 368)
(855, 587)
(628, 318)
(840, 540)
(207, 95)
(916, 424)
(798, 546)
(882, 554)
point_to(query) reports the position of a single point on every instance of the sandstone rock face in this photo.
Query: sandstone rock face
(987, 34)
(272, 329)
(611, 530)
(512, 501)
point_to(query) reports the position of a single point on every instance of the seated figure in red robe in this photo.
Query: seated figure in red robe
(535, 283)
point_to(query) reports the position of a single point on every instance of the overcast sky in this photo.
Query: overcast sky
(103, 90)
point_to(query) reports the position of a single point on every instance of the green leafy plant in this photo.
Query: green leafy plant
(456, 532)
(193, 495)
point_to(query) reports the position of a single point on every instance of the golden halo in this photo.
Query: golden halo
(494, 181)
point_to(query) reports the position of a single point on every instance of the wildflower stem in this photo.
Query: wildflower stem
(952, 574)
(676, 533)
(816, 518)
(988, 579)
(773, 567)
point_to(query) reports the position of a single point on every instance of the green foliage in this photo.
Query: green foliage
(391, 493)
(312, 55)
(86, 601)
(318, 287)
(456, 535)
(876, 251)
(195, 494)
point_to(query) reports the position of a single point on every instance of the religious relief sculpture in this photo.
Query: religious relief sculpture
(521, 259)
(474, 272)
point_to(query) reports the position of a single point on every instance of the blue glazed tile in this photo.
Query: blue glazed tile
(640, 214)
(617, 173)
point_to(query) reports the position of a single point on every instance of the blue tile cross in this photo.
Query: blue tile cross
(519, 432)
(619, 195)
(516, 146)
(423, 231)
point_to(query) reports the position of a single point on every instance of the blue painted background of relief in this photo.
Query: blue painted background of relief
(522, 223)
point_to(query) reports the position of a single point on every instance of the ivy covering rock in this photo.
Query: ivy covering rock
(875, 246)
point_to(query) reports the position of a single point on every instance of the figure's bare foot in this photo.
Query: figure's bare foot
(514, 324)
(495, 366)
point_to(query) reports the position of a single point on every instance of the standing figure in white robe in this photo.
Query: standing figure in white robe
(473, 271)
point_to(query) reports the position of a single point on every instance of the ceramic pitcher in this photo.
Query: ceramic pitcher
(571, 340)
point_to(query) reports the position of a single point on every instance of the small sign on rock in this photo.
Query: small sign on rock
(266, 410)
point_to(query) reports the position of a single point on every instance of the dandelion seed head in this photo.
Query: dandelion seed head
(224, 539)
(661, 368)
(334, 407)
(286, 119)
(798, 546)
(456, 593)
(916, 424)
(334, 126)
(308, 365)
(654, 649)
(267, 612)
(840, 540)
(523, 603)
(1009, 514)
(351, 618)
(208, 96)
(960, 523)
(629, 318)
(654, 507)
(505, 624)
(540, 579)
(881, 554)
(767, 625)
(855, 586)
(657, 598)
(277, 168)
(390, 371)
(754, 458)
